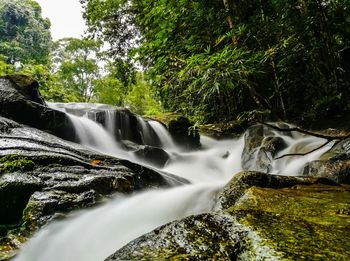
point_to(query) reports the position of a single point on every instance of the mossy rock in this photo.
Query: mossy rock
(202, 237)
(13, 163)
(300, 222)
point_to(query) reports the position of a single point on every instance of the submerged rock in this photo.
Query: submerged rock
(334, 164)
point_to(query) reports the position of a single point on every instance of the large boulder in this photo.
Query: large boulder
(203, 237)
(21, 102)
(334, 164)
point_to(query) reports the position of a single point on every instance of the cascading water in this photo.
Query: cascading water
(95, 234)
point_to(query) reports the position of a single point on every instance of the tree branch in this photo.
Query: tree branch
(328, 138)
(304, 154)
(311, 133)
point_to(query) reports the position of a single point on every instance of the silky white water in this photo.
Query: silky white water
(94, 234)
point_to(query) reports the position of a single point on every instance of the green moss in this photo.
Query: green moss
(12, 163)
(303, 222)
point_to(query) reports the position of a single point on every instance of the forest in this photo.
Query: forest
(213, 61)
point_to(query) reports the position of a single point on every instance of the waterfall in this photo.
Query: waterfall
(94, 234)
(163, 134)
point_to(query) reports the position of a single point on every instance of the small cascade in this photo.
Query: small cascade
(163, 134)
(110, 121)
(119, 122)
(95, 136)
(147, 133)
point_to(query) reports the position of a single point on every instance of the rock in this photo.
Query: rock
(300, 222)
(28, 87)
(184, 133)
(260, 147)
(15, 191)
(334, 164)
(21, 105)
(246, 179)
(203, 237)
(43, 206)
(156, 156)
(152, 155)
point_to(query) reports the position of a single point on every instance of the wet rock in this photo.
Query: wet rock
(15, 191)
(261, 145)
(156, 156)
(334, 164)
(152, 155)
(184, 133)
(43, 206)
(203, 237)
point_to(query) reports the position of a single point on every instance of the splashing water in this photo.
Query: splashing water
(92, 235)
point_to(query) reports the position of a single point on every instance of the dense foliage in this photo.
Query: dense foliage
(24, 34)
(223, 59)
(69, 70)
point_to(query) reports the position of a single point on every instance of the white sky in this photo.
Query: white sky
(65, 16)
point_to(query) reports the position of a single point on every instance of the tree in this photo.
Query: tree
(78, 66)
(24, 35)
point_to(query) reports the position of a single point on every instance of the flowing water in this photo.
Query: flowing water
(94, 234)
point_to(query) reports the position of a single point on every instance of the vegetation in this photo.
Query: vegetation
(219, 60)
(216, 61)
(12, 163)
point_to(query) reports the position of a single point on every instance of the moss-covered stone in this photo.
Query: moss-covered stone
(202, 237)
(12, 163)
(300, 222)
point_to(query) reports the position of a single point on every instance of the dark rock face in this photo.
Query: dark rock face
(21, 105)
(184, 133)
(258, 217)
(261, 146)
(334, 164)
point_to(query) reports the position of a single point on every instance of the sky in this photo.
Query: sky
(65, 16)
